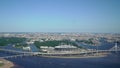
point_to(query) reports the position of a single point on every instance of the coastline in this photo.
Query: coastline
(96, 56)
(79, 56)
(6, 64)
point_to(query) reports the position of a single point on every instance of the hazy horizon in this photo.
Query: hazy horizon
(92, 16)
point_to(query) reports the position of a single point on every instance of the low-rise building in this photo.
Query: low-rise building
(46, 49)
(65, 48)
(27, 48)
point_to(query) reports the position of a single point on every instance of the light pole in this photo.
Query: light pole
(97, 49)
(116, 47)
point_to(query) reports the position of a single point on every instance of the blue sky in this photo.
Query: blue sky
(60, 16)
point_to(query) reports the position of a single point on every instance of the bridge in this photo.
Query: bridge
(115, 48)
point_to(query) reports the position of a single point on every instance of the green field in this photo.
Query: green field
(54, 43)
(1, 64)
(11, 40)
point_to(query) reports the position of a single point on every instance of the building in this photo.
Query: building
(60, 48)
(27, 48)
(66, 48)
(46, 49)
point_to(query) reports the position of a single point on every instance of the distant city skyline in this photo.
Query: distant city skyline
(102, 16)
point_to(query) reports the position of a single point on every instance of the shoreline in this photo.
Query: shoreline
(7, 64)
(79, 56)
(97, 56)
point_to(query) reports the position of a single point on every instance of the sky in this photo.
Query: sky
(60, 16)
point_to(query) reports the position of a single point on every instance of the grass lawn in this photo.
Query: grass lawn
(1, 64)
